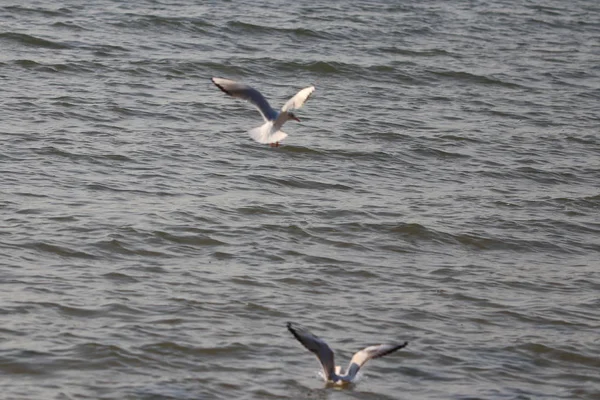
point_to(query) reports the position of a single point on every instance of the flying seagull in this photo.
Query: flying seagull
(333, 373)
(269, 132)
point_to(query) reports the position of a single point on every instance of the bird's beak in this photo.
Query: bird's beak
(296, 118)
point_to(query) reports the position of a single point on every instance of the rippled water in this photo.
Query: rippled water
(442, 188)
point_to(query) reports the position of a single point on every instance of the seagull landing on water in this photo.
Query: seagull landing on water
(331, 372)
(269, 132)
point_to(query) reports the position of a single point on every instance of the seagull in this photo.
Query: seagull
(332, 373)
(268, 132)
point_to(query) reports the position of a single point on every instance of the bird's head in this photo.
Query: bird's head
(291, 115)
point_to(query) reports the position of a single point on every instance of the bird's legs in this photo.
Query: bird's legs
(276, 144)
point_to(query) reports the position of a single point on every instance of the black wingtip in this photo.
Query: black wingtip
(290, 327)
(392, 350)
(219, 86)
(398, 347)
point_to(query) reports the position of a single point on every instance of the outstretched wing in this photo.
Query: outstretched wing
(317, 346)
(246, 92)
(360, 358)
(299, 99)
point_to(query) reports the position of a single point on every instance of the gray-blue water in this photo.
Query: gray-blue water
(443, 188)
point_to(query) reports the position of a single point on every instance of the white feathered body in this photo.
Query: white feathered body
(270, 132)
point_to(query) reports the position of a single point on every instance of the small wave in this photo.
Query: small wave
(300, 150)
(543, 176)
(315, 283)
(55, 151)
(267, 311)
(222, 255)
(120, 277)
(222, 68)
(153, 269)
(561, 356)
(474, 78)
(248, 281)
(196, 240)
(378, 156)
(322, 260)
(375, 73)
(172, 348)
(342, 270)
(592, 202)
(71, 311)
(8, 332)
(115, 246)
(413, 232)
(504, 243)
(301, 183)
(587, 140)
(68, 25)
(94, 355)
(459, 138)
(534, 174)
(417, 53)
(59, 250)
(106, 50)
(33, 41)
(74, 67)
(248, 28)
(185, 24)
(31, 194)
(120, 309)
(60, 12)
(320, 67)
(23, 364)
(168, 321)
(56, 67)
(441, 154)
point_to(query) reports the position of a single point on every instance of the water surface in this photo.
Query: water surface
(442, 188)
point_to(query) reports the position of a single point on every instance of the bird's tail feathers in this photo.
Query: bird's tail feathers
(266, 134)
